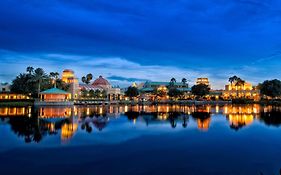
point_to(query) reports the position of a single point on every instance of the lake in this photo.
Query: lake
(197, 140)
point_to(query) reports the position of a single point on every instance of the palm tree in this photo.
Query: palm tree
(84, 79)
(240, 83)
(89, 77)
(30, 70)
(38, 76)
(173, 81)
(184, 81)
(54, 76)
(233, 79)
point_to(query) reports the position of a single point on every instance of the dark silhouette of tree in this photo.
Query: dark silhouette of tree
(174, 93)
(200, 90)
(271, 88)
(132, 92)
(87, 79)
(29, 70)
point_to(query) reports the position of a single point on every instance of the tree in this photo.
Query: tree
(132, 92)
(38, 76)
(184, 81)
(173, 82)
(54, 76)
(271, 88)
(30, 70)
(87, 79)
(22, 84)
(174, 93)
(200, 90)
(84, 80)
(240, 82)
(159, 92)
(233, 79)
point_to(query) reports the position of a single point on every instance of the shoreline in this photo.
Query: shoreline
(104, 102)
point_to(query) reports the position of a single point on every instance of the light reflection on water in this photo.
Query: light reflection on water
(232, 139)
(35, 124)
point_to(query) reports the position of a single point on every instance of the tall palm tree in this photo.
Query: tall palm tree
(89, 77)
(184, 81)
(30, 70)
(84, 79)
(54, 76)
(38, 76)
(173, 81)
(233, 79)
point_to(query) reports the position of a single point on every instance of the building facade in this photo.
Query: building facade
(247, 90)
(68, 77)
(102, 84)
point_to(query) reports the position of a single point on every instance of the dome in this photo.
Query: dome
(101, 82)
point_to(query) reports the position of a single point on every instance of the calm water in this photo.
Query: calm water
(141, 140)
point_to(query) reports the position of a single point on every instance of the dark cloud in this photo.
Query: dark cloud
(184, 33)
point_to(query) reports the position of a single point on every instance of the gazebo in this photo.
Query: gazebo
(54, 95)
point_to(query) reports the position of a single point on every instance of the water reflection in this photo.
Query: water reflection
(33, 124)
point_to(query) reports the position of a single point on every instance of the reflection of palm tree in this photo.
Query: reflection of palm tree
(132, 115)
(185, 121)
(173, 118)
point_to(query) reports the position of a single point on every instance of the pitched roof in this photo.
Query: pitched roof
(155, 83)
(54, 91)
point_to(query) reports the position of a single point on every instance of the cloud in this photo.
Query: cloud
(123, 72)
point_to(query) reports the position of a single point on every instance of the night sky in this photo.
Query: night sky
(139, 40)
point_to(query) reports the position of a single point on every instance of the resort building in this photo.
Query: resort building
(68, 77)
(149, 87)
(102, 84)
(246, 90)
(55, 95)
(13, 96)
(203, 81)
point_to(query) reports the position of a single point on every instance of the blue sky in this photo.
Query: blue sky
(138, 40)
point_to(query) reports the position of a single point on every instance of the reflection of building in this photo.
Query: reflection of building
(68, 77)
(54, 112)
(203, 123)
(204, 81)
(68, 130)
(54, 95)
(15, 111)
(246, 90)
(240, 116)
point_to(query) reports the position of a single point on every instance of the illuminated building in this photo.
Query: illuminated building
(233, 91)
(68, 77)
(149, 87)
(54, 95)
(204, 81)
(113, 93)
(13, 96)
